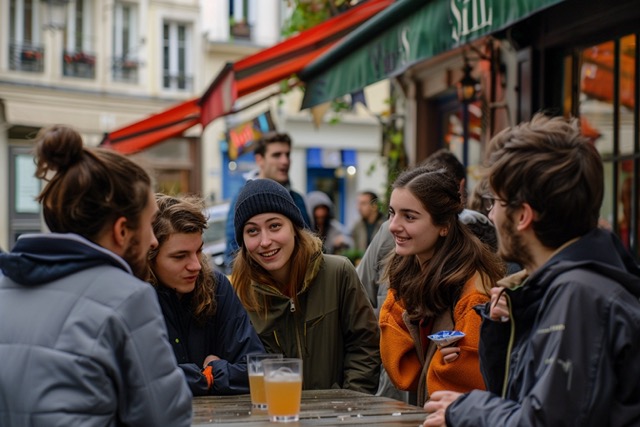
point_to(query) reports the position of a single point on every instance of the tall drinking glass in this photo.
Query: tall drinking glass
(283, 385)
(256, 378)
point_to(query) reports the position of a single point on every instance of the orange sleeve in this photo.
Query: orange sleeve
(397, 349)
(463, 374)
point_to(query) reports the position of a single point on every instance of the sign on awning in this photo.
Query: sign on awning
(405, 33)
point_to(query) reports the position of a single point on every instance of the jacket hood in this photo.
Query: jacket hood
(600, 251)
(319, 198)
(42, 258)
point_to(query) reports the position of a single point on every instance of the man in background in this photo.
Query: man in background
(273, 158)
(370, 220)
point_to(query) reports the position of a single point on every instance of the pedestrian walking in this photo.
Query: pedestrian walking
(82, 339)
(559, 340)
(209, 329)
(303, 303)
(439, 272)
(324, 223)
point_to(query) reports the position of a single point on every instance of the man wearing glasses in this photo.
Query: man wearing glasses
(560, 340)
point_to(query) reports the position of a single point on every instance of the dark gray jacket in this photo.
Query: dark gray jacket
(572, 345)
(82, 341)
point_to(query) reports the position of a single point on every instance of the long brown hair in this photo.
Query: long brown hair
(184, 215)
(247, 271)
(87, 189)
(429, 289)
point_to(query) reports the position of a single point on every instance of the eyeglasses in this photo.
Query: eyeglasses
(489, 201)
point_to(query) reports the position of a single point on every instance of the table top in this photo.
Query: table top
(319, 408)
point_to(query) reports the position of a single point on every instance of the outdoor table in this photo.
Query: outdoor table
(319, 408)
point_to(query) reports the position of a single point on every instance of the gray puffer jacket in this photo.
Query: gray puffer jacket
(82, 341)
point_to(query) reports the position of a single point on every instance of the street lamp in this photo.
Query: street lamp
(56, 14)
(467, 90)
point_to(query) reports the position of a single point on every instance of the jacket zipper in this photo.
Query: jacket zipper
(292, 309)
(512, 334)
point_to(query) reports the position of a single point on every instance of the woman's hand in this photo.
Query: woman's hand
(449, 354)
(499, 309)
(210, 358)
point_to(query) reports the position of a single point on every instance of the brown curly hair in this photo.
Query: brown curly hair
(184, 215)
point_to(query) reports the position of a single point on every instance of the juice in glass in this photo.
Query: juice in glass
(283, 386)
(256, 378)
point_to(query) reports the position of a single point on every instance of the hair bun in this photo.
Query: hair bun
(58, 148)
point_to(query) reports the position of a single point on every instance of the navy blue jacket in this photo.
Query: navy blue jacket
(228, 334)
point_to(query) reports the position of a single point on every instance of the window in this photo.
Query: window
(24, 187)
(125, 43)
(78, 59)
(25, 51)
(606, 93)
(176, 56)
(241, 18)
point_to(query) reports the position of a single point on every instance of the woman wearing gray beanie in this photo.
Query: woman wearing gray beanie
(302, 303)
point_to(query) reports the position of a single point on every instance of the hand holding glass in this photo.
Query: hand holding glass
(283, 385)
(256, 378)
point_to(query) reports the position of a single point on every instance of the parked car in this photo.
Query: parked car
(214, 238)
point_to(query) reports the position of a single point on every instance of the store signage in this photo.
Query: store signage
(469, 17)
(416, 31)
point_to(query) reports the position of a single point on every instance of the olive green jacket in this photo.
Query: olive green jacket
(332, 328)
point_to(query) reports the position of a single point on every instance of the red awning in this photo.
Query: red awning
(159, 127)
(241, 78)
(281, 61)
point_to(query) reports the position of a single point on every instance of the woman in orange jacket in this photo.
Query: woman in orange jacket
(439, 271)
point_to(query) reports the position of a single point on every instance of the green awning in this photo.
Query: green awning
(407, 32)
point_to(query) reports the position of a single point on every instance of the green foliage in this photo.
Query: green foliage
(354, 255)
(309, 13)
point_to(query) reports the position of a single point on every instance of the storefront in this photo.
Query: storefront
(568, 57)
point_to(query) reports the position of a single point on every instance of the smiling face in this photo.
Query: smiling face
(177, 264)
(412, 226)
(269, 239)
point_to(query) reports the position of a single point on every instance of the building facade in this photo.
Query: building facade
(99, 65)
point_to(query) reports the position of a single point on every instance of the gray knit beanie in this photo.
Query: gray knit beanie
(262, 196)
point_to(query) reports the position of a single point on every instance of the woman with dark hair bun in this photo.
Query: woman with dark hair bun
(86, 343)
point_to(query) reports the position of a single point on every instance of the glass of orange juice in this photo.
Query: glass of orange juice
(283, 385)
(256, 378)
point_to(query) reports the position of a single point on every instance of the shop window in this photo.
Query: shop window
(24, 215)
(174, 165)
(605, 101)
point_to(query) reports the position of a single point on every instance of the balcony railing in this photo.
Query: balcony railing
(179, 81)
(79, 64)
(240, 30)
(26, 57)
(125, 69)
